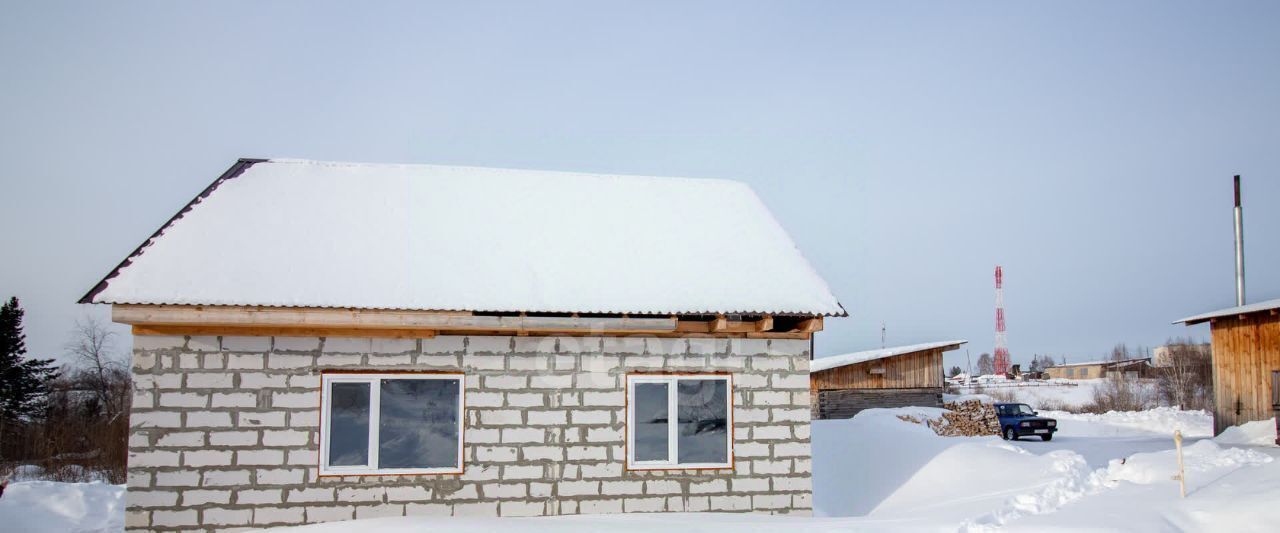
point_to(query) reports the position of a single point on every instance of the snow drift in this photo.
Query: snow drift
(52, 506)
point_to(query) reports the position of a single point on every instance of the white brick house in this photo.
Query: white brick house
(327, 341)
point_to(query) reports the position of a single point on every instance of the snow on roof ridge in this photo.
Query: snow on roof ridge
(833, 361)
(503, 170)
(1236, 310)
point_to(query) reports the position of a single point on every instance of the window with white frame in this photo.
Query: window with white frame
(679, 421)
(384, 424)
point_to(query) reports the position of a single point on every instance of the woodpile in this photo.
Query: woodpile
(970, 418)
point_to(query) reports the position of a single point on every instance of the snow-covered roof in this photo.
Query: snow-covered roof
(424, 237)
(833, 361)
(1121, 362)
(1231, 311)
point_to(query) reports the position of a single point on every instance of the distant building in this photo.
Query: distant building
(1162, 356)
(842, 385)
(1129, 368)
(1246, 362)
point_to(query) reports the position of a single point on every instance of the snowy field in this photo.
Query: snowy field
(1070, 393)
(1109, 472)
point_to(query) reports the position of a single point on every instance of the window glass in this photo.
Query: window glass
(651, 435)
(391, 424)
(418, 423)
(677, 421)
(349, 424)
(703, 421)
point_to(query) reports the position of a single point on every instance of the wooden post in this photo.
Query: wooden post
(1275, 399)
(1182, 475)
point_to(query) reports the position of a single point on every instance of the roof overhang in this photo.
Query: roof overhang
(322, 322)
(837, 361)
(1271, 307)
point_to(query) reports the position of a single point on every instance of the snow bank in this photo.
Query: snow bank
(1204, 462)
(616, 523)
(861, 461)
(1161, 420)
(53, 506)
(886, 469)
(1259, 433)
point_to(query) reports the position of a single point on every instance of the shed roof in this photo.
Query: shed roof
(833, 361)
(1231, 311)
(298, 233)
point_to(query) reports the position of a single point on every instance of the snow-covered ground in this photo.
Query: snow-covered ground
(70, 507)
(875, 472)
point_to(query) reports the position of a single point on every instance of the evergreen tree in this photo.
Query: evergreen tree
(22, 381)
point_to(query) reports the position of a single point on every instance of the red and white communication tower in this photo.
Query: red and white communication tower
(1001, 362)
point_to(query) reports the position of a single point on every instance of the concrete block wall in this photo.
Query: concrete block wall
(225, 429)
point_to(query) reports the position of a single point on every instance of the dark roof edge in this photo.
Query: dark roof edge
(236, 169)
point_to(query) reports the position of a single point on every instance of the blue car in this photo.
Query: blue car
(1019, 420)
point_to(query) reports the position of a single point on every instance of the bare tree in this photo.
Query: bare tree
(1185, 375)
(986, 365)
(1120, 352)
(104, 371)
(1117, 393)
(82, 432)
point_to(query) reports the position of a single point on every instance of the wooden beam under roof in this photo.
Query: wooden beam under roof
(765, 323)
(261, 331)
(173, 315)
(290, 321)
(810, 325)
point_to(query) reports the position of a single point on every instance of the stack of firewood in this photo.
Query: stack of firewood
(970, 418)
(967, 419)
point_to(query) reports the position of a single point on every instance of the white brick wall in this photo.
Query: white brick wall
(224, 430)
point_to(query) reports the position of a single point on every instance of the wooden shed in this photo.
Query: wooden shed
(1246, 359)
(842, 385)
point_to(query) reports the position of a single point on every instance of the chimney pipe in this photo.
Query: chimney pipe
(1239, 215)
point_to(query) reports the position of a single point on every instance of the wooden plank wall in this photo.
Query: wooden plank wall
(913, 370)
(834, 404)
(1245, 353)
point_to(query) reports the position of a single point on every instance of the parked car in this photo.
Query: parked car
(1020, 420)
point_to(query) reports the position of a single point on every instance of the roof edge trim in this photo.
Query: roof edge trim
(238, 168)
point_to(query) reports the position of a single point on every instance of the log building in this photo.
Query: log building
(842, 385)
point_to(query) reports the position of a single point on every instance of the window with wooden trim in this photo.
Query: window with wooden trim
(679, 421)
(387, 424)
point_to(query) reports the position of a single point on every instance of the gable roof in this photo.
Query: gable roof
(295, 233)
(834, 361)
(1231, 311)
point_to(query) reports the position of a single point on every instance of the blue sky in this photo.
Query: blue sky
(907, 147)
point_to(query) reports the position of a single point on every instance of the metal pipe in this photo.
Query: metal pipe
(1239, 215)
